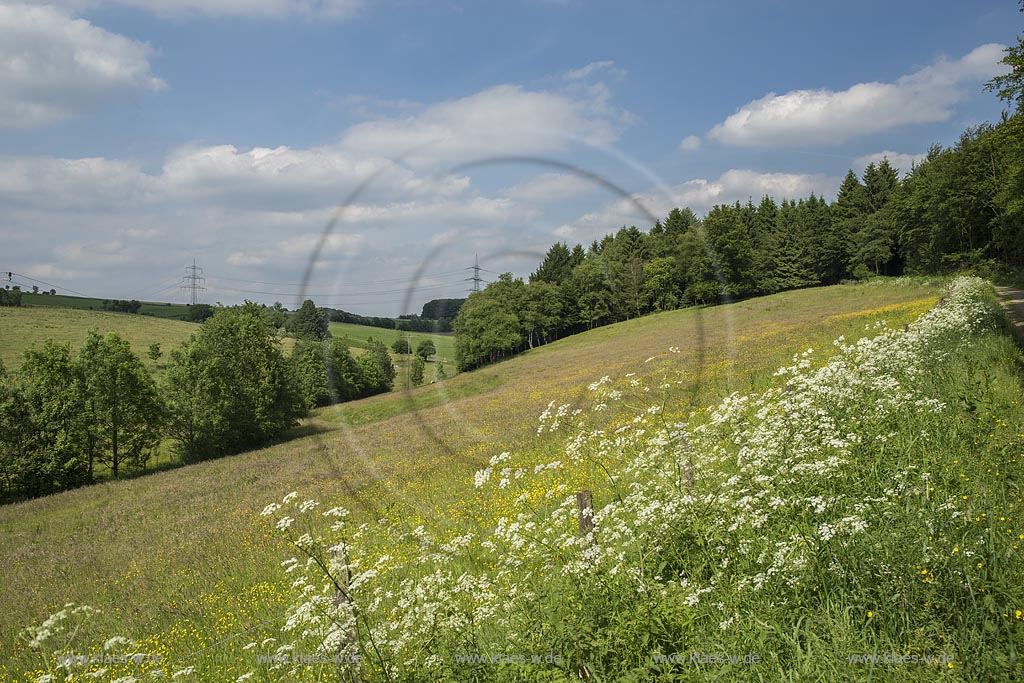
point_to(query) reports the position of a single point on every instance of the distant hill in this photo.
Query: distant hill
(27, 326)
(154, 309)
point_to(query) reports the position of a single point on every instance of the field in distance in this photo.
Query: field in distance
(29, 326)
(148, 308)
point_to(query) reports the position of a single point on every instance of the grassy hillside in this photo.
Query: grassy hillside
(149, 308)
(444, 343)
(182, 562)
(358, 334)
(27, 326)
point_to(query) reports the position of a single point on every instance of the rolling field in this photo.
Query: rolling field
(21, 328)
(358, 334)
(149, 308)
(183, 564)
(444, 343)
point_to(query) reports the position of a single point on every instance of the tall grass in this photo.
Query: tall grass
(182, 562)
(862, 514)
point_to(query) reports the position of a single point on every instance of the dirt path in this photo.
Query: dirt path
(1013, 302)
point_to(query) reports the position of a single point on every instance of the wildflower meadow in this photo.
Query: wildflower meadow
(857, 517)
(867, 503)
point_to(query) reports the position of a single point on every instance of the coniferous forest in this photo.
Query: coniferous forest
(959, 209)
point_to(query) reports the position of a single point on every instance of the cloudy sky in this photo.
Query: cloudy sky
(405, 138)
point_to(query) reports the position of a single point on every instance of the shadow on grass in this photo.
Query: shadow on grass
(399, 401)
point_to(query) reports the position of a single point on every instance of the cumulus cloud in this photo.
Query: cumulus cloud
(549, 187)
(827, 116)
(503, 120)
(71, 184)
(699, 194)
(279, 177)
(903, 162)
(257, 212)
(690, 143)
(54, 66)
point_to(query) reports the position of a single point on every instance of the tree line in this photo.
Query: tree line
(10, 297)
(229, 388)
(960, 208)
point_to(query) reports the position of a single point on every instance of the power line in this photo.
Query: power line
(367, 282)
(159, 288)
(475, 279)
(22, 276)
(193, 280)
(333, 295)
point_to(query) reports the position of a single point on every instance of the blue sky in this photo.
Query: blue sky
(136, 135)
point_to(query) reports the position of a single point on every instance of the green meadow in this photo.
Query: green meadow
(182, 563)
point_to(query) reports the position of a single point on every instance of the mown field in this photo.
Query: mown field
(148, 308)
(183, 564)
(358, 335)
(21, 328)
(444, 343)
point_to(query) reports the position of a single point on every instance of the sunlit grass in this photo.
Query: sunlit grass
(173, 559)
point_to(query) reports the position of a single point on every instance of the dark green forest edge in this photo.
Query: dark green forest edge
(960, 209)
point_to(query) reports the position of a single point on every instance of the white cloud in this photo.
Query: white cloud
(699, 194)
(257, 212)
(334, 10)
(827, 116)
(690, 143)
(549, 187)
(242, 258)
(71, 184)
(280, 177)
(303, 245)
(904, 162)
(605, 66)
(503, 120)
(54, 67)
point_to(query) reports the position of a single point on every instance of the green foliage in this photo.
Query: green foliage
(230, 388)
(401, 346)
(960, 208)
(425, 349)
(378, 372)
(416, 371)
(344, 374)
(486, 329)
(197, 409)
(437, 309)
(197, 313)
(120, 305)
(154, 352)
(46, 449)
(557, 265)
(1010, 86)
(124, 411)
(10, 297)
(310, 322)
(310, 367)
(16, 477)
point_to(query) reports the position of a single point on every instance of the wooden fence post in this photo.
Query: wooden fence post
(585, 503)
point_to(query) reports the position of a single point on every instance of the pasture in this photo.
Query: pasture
(24, 327)
(183, 564)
